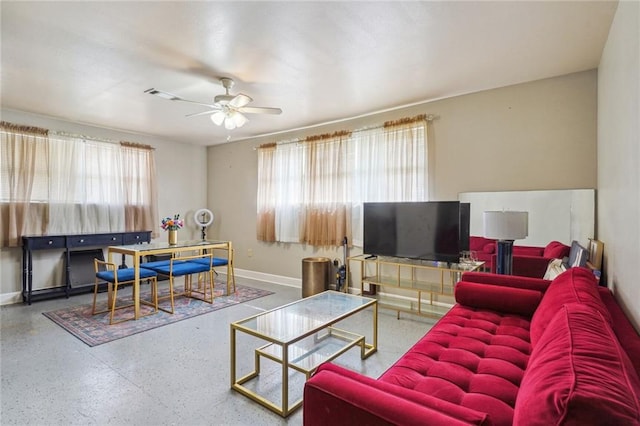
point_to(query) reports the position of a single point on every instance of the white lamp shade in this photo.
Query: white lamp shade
(506, 225)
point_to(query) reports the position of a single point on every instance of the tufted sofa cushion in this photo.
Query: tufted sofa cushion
(578, 373)
(576, 285)
(473, 358)
(402, 406)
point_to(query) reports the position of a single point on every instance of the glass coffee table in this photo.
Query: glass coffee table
(301, 336)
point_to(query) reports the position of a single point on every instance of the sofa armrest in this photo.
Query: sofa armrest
(515, 281)
(525, 266)
(530, 266)
(528, 251)
(503, 299)
(336, 396)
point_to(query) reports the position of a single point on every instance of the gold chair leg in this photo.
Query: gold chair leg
(211, 287)
(170, 296)
(95, 296)
(233, 276)
(113, 304)
(153, 282)
(171, 293)
(154, 292)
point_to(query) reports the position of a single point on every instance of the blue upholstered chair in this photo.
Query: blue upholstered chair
(187, 266)
(109, 272)
(220, 261)
(157, 263)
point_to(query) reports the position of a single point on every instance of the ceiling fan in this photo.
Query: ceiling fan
(226, 109)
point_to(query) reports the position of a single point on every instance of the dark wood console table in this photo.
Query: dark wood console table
(71, 244)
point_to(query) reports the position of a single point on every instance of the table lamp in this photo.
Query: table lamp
(505, 226)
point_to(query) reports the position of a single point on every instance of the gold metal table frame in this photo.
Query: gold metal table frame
(301, 336)
(137, 251)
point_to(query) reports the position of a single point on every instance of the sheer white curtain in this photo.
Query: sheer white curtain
(85, 187)
(289, 167)
(390, 165)
(23, 153)
(312, 191)
(138, 176)
(56, 183)
(326, 203)
(267, 195)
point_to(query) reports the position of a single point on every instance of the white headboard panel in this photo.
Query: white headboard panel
(562, 215)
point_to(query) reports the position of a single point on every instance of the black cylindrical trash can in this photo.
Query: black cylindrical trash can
(315, 275)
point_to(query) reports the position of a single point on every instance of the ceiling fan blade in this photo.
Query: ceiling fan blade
(260, 110)
(163, 95)
(239, 101)
(172, 97)
(196, 114)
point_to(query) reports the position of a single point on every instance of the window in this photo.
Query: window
(312, 191)
(63, 184)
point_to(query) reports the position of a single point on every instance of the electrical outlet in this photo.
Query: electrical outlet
(249, 252)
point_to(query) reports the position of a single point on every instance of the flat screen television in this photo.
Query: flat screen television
(430, 230)
(465, 226)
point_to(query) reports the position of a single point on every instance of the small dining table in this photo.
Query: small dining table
(137, 251)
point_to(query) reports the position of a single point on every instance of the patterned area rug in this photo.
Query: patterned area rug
(95, 330)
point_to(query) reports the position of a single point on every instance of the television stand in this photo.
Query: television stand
(419, 287)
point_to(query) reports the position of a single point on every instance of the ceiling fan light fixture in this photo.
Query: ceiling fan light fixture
(231, 119)
(218, 118)
(229, 124)
(239, 119)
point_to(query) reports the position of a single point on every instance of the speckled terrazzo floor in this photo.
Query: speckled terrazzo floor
(173, 375)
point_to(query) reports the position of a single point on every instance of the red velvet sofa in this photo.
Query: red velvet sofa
(531, 261)
(513, 350)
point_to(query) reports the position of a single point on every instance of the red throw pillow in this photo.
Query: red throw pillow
(556, 250)
(489, 248)
(498, 298)
(578, 374)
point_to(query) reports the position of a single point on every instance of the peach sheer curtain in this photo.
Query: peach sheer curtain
(266, 224)
(56, 183)
(140, 187)
(20, 148)
(312, 191)
(326, 209)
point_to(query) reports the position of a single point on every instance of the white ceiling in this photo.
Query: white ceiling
(90, 62)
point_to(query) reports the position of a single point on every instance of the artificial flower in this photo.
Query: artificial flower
(169, 224)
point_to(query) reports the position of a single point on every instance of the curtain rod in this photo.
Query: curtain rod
(79, 136)
(429, 118)
(103, 140)
(53, 133)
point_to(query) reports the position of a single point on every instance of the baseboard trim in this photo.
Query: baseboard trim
(10, 298)
(270, 278)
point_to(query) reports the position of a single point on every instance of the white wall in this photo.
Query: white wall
(564, 215)
(182, 181)
(619, 157)
(534, 136)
